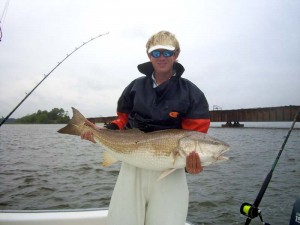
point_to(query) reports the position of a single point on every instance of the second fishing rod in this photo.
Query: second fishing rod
(251, 210)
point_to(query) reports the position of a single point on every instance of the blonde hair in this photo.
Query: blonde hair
(163, 38)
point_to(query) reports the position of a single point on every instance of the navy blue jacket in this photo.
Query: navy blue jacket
(174, 104)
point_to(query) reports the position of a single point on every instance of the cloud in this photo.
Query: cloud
(240, 53)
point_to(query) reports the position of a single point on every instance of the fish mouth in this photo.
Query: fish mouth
(222, 158)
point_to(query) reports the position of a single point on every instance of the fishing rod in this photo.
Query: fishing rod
(252, 210)
(46, 75)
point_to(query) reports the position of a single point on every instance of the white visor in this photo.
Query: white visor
(155, 47)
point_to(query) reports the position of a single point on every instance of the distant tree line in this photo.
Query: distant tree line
(44, 117)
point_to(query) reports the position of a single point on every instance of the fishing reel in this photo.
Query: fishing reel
(251, 212)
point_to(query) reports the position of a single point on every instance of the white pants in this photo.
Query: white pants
(139, 199)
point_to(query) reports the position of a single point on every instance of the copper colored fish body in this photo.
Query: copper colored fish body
(159, 150)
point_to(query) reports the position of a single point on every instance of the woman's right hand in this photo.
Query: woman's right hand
(88, 135)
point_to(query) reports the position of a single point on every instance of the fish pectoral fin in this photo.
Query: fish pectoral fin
(108, 159)
(178, 152)
(165, 173)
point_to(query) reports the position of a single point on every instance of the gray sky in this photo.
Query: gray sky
(240, 53)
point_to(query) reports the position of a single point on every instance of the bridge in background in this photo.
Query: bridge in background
(235, 116)
(270, 114)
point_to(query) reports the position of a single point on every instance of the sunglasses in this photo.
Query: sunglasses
(165, 53)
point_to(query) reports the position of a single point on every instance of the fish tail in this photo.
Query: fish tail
(73, 127)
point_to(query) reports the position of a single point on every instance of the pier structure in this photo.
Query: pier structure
(234, 117)
(102, 119)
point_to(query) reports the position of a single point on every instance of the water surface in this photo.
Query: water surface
(42, 169)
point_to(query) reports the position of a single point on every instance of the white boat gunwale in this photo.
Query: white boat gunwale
(90, 216)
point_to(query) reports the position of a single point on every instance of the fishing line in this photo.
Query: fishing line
(4, 11)
(46, 75)
(252, 210)
(3, 17)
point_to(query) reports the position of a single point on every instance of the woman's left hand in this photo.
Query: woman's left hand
(193, 163)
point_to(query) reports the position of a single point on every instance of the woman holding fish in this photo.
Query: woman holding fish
(160, 100)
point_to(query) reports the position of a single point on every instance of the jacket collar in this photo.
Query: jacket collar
(147, 68)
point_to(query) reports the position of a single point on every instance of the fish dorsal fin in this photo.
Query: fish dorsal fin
(165, 173)
(108, 159)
